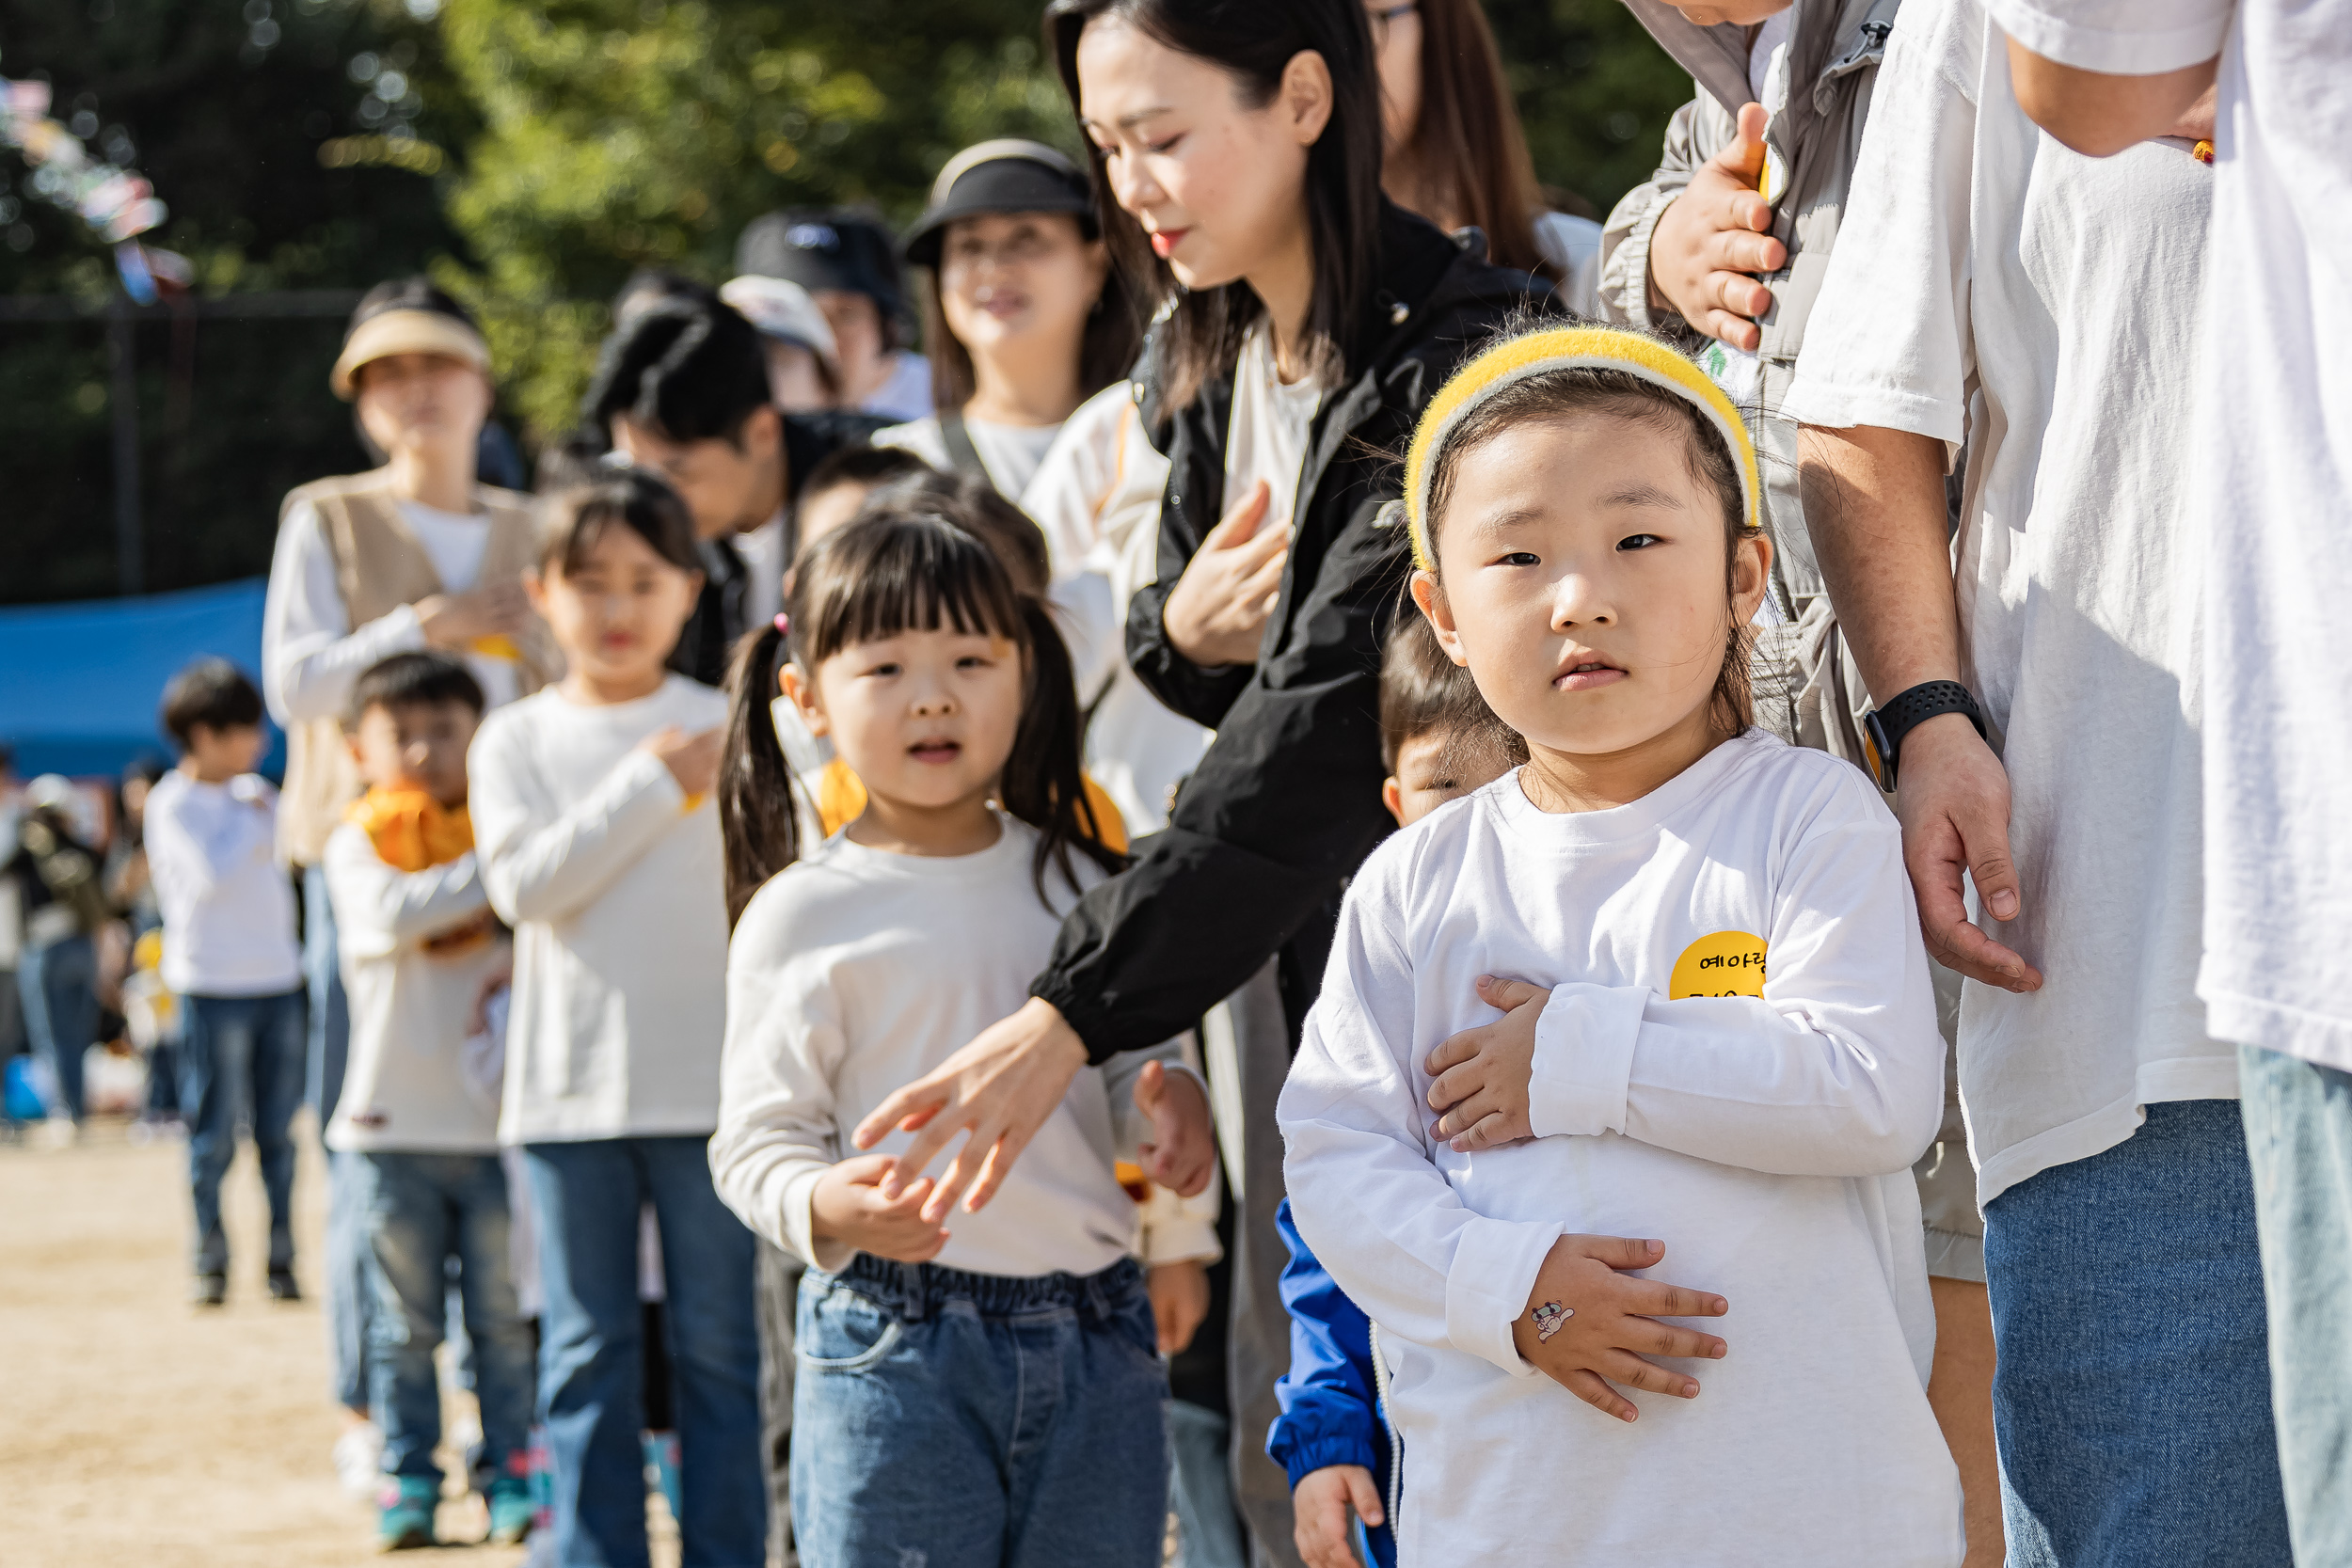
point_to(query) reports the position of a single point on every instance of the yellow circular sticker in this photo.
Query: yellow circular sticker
(1727, 963)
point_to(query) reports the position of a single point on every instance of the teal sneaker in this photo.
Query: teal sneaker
(513, 1510)
(405, 1518)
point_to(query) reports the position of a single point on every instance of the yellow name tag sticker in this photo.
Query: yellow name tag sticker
(1726, 963)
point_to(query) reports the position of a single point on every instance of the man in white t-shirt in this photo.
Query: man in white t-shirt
(2273, 494)
(1995, 294)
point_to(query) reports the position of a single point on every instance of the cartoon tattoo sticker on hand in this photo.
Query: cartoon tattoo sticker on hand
(1549, 1317)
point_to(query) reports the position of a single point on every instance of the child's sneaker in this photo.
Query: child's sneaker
(405, 1517)
(282, 1286)
(212, 1289)
(512, 1510)
(360, 1459)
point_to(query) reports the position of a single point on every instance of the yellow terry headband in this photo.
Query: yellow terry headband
(1565, 348)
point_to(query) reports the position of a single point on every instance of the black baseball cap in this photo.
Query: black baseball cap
(825, 248)
(1007, 175)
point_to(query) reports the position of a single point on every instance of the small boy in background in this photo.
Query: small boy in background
(1440, 741)
(230, 954)
(419, 946)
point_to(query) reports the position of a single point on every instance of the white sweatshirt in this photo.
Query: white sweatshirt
(856, 972)
(1765, 1138)
(411, 1006)
(228, 905)
(616, 892)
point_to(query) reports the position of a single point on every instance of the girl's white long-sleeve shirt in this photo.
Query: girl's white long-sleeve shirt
(612, 881)
(855, 972)
(411, 1006)
(228, 907)
(1739, 1057)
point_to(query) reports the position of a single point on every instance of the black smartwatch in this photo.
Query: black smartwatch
(1885, 726)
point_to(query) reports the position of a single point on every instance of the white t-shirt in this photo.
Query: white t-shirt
(1097, 497)
(1268, 438)
(1766, 1138)
(228, 907)
(1990, 284)
(1009, 452)
(907, 395)
(1572, 245)
(311, 652)
(411, 1006)
(854, 973)
(612, 881)
(2274, 491)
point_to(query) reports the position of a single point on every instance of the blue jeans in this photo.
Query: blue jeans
(1200, 1489)
(970, 1421)
(2299, 1139)
(349, 1296)
(2131, 1399)
(591, 1344)
(423, 1209)
(60, 984)
(241, 1054)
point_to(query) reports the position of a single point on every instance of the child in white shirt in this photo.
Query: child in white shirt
(230, 954)
(988, 1389)
(600, 845)
(1738, 1051)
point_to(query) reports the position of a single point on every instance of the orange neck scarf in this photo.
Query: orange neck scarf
(411, 829)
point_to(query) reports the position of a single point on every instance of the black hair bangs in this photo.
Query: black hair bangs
(883, 575)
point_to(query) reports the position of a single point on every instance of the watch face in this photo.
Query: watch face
(1881, 756)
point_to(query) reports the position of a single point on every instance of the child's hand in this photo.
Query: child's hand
(1482, 1074)
(1597, 1324)
(847, 1207)
(1319, 1510)
(1180, 1299)
(1182, 1149)
(691, 759)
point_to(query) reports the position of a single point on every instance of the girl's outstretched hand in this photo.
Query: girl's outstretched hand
(849, 1207)
(1182, 1149)
(1588, 1324)
(1319, 1511)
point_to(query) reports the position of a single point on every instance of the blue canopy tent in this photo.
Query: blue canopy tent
(79, 683)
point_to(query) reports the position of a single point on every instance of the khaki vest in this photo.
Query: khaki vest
(379, 567)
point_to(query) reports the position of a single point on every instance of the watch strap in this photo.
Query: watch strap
(1893, 720)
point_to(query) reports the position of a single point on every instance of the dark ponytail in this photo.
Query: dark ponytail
(1045, 783)
(757, 823)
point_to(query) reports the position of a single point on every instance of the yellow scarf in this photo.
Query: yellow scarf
(411, 829)
(841, 799)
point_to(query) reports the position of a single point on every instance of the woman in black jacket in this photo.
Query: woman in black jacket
(1375, 307)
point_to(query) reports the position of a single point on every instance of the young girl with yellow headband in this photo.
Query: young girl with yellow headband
(1715, 1028)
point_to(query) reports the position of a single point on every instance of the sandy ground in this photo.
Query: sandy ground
(135, 1429)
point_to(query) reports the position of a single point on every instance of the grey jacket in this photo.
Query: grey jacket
(1834, 55)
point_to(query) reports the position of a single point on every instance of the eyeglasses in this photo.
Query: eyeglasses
(1382, 16)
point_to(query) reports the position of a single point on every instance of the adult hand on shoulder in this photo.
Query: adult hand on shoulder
(454, 620)
(1714, 238)
(1481, 1076)
(1953, 803)
(1216, 612)
(998, 1090)
(1599, 1325)
(1319, 1509)
(1182, 1149)
(849, 1206)
(691, 759)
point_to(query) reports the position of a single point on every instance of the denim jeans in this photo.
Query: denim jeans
(60, 984)
(2298, 1140)
(349, 1295)
(1200, 1489)
(588, 1196)
(423, 1209)
(241, 1053)
(2131, 1399)
(969, 1420)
